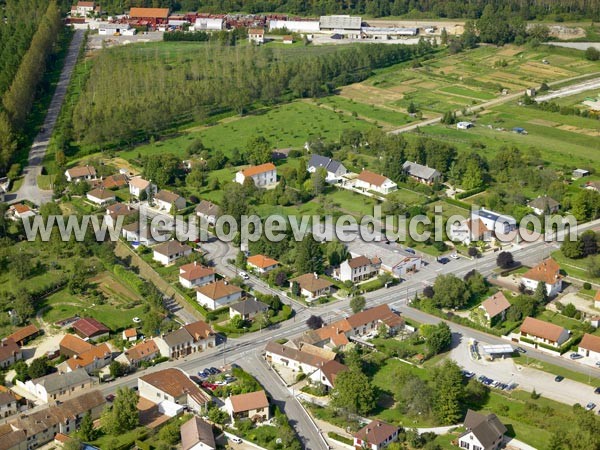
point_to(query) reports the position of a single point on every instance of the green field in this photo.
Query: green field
(381, 115)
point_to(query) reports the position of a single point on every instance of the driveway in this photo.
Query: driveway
(29, 190)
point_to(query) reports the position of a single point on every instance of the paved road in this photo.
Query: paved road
(491, 103)
(29, 190)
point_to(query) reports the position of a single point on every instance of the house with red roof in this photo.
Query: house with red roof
(547, 272)
(194, 274)
(90, 328)
(376, 435)
(264, 175)
(541, 332)
(262, 264)
(371, 181)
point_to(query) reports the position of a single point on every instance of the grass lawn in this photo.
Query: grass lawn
(576, 268)
(560, 320)
(284, 126)
(372, 112)
(122, 440)
(352, 202)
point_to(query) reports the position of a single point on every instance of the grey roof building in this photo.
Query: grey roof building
(420, 172)
(487, 432)
(335, 169)
(248, 308)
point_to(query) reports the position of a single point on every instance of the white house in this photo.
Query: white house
(80, 173)
(312, 286)
(169, 252)
(327, 373)
(464, 125)
(495, 222)
(256, 35)
(590, 346)
(101, 196)
(114, 211)
(469, 230)
(137, 185)
(262, 264)
(8, 404)
(20, 211)
(359, 268)
(495, 307)
(218, 294)
(547, 272)
(57, 386)
(247, 309)
(264, 175)
(194, 274)
(144, 351)
(208, 211)
(544, 205)
(376, 435)
(542, 332)
(293, 358)
(335, 169)
(110, 29)
(482, 432)
(370, 181)
(175, 386)
(166, 200)
(191, 338)
(253, 405)
(209, 24)
(83, 9)
(10, 353)
(134, 232)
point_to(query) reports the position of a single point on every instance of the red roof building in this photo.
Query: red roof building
(89, 328)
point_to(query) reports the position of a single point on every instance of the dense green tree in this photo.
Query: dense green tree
(357, 303)
(309, 256)
(438, 337)
(258, 150)
(541, 294)
(39, 367)
(450, 292)
(86, 428)
(122, 415)
(448, 392)
(117, 369)
(353, 392)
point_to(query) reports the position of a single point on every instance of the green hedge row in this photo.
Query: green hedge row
(129, 278)
(458, 203)
(470, 192)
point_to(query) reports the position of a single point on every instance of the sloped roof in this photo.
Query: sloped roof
(487, 429)
(218, 289)
(331, 165)
(171, 248)
(262, 261)
(114, 181)
(547, 271)
(208, 208)
(24, 333)
(8, 348)
(139, 183)
(21, 208)
(130, 333)
(75, 344)
(141, 350)
(195, 431)
(255, 170)
(420, 171)
(382, 313)
(90, 327)
(334, 333)
(543, 203)
(249, 401)
(199, 330)
(178, 337)
(88, 357)
(590, 342)
(331, 369)
(176, 383)
(372, 178)
(295, 354)
(249, 306)
(495, 304)
(477, 228)
(101, 193)
(82, 171)
(541, 329)
(167, 196)
(362, 261)
(376, 433)
(61, 381)
(194, 271)
(311, 283)
(120, 209)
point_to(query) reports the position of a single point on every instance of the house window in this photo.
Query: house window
(464, 444)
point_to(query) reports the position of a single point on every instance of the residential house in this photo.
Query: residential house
(580, 173)
(482, 432)
(8, 404)
(542, 332)
(422, 174)
(253, 405)
(464, 125)
(113, 212)
(328, 337)
(468, 231)
(370, 181)
(137, 185)
(142, 234)
(312, 286)
(10, 353)
(101, 196)
(175, 386)
(376, 435)
(218, 294)
(129, 335)
(547, 272)
(495, 308)
(208, 211)
(294, 358)
(58, 386)
(20, 211)
(256, 35)
(262, 264)
(83, 9)
(590, 346)
(142, 352)
(194, 274)
(264, 175)
(191, 338)
(91, 360)
(495, 222)
(544, 205)
(327, 373)
(335, 169)
(370, 320)
(89, 328)
(116, 181)
(80, 173)
(359, 268)
(196, 434)
(167, 200)
(72, 345)
(37, 428)
(169, 252)
(247, 309)
(25, 334)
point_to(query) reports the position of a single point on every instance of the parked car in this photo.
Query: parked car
(214, 371)
(454, 256)
(410, 250)
(590, 406)
(575, 356)
(237, 440)
(559, 378)
(520, 350)
(468, 375)
(443, 260)
(110, 398)
(597, 390)
(244, 275)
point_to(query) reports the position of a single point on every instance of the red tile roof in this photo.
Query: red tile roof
(176, 383)
(143, 13)
(24, 333)
(249, 401)
(262, 261)
(590, 342)
(495, 304)
(541, 329)
(86, 358)
(547, 271)
(142, 350)
(90, 327)
(372, 178)
(194, 271)
(75, 344)
(255, 170)
(218, 289)
(376, 433)
(311, 283)
(8, 348)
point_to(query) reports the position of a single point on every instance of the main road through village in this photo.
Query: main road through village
(247, 351)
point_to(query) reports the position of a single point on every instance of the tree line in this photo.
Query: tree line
(528, 9)
(159, 89)
(18, 98)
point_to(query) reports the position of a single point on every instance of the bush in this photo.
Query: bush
(587, 286)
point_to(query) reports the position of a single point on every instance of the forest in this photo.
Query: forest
(26, 40)
(155, 88)
(469, 9)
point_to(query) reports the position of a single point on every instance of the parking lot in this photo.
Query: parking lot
(525, 378)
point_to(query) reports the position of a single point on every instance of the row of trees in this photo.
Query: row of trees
(18, 98)
(160, 89)
(527, 9)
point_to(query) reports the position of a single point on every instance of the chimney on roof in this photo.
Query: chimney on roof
(316, 276)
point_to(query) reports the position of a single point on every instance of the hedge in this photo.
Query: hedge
(336, 437)
(458, 203)
(469, 193)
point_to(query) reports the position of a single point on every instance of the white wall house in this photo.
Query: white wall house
(590, 347)
(547, 272)
(209, 24)
(101, 196)
(80, 173)
(370, 181)
(194, 274)
(166, 200)
(359, 268)
(542, 332)
(137, 185)
(264, 176)
(218, 294)
(335, 169)
(256, 35)
(169, 252)
(173, 385)
(482, 432)
(495, 222)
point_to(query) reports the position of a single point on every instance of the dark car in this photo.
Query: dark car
(520, 350)
(575, 356)
(559, 378)
(410, 250)
(597, 390)
(468, 375)
(443, 260)
(214, 371)
(110, 398)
